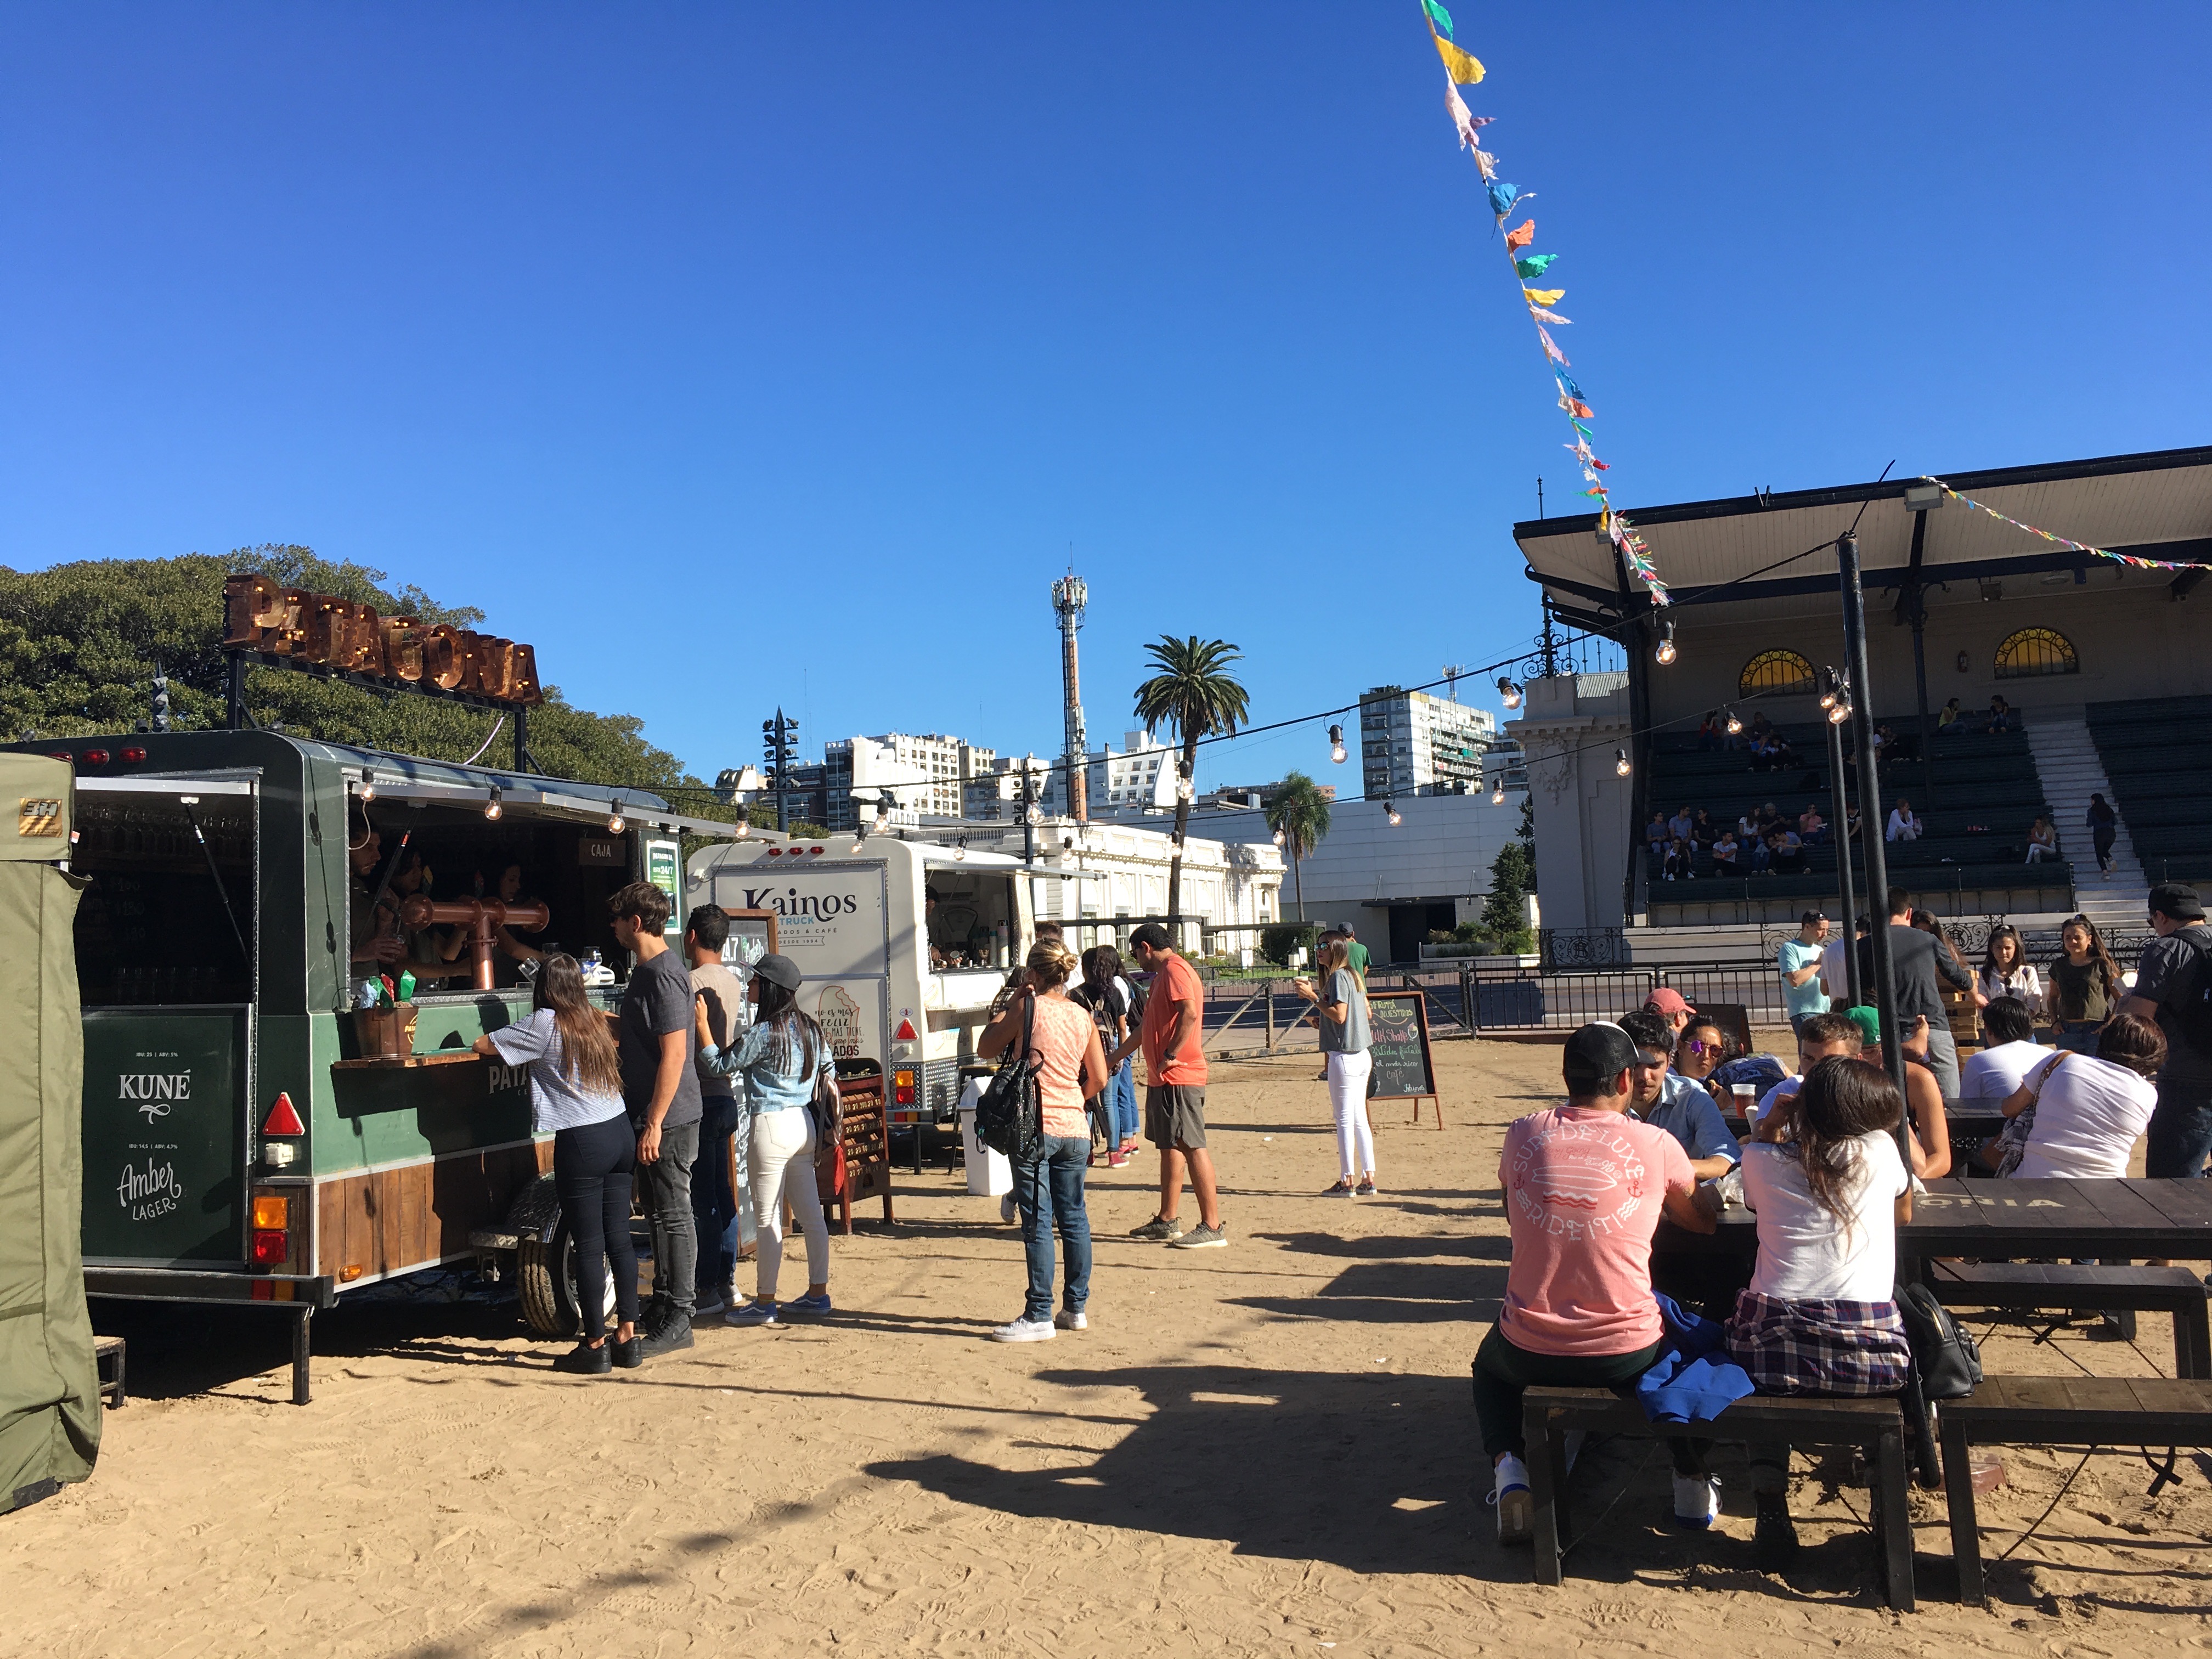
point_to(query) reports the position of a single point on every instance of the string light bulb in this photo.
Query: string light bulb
(367, 784)
(1733, 724)
(1664, 653)
(616, 822)
(1390, 810)
(1497, 795)
(960, 854)
(1336, 744)
(1509, 692)
(1280, 838)
(492, 808)
(1620, 766)
(1840, 712)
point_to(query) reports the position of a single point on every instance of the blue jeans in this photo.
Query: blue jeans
(714, 1206)
(1049, 1191)
(1125, 1104)
(2180, 1132)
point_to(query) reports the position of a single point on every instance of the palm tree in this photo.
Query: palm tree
(1298, 814)
(1194, 694)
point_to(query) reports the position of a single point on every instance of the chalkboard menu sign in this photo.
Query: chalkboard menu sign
(1398, 1029)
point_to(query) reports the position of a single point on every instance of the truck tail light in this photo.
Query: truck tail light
(903, 1090)
(272, 1211)
(133, 756)
(95, 757)
(270, 1244)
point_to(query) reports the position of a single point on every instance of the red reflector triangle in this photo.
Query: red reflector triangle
(283, 1120)
(905, 1032)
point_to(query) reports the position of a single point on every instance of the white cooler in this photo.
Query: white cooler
(990, 1175)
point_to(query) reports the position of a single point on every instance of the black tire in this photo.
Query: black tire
(545, 1281)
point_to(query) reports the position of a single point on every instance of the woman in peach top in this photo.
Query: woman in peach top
(1048, 1186)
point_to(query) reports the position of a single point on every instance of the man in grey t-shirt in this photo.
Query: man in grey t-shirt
(2181, 1126)
(1919, 961)
(656, 1037)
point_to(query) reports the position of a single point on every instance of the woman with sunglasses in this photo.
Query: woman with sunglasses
(1708, 1057)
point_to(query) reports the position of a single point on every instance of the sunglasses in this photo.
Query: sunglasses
(1698, 1048)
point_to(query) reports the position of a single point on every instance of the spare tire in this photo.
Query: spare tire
(545, 1280)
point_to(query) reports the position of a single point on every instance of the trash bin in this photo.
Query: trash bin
(990, 1175)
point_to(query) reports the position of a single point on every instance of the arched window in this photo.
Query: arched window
(2035, 651)
(1778, 673)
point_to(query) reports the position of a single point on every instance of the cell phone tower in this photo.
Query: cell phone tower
(1069, 597)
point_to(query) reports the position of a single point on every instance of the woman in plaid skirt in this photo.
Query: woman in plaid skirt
(1823, 1174)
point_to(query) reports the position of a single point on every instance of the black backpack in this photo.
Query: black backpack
(1008, 1114)
(2190, 1002)
(1944, 1358)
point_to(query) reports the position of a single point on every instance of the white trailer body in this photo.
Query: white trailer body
(860, 927)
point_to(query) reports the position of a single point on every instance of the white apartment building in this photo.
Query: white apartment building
(1121, 783)
(949, 764)
(1412, 744)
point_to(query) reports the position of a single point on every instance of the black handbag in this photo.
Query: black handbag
(1009, 1116)
(1945, 1359)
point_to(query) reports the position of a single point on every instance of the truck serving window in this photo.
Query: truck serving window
(151, 928)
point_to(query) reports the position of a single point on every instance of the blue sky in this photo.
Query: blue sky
(737, 354)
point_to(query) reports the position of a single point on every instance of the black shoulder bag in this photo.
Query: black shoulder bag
(1009, 1116)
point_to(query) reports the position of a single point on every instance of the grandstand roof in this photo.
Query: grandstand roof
(2154, 505)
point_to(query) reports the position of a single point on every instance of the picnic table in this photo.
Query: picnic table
(1995, 1220)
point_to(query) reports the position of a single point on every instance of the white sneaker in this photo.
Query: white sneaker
(1515, 1509)
(1696, 1501)
(1025, 1330)
(1069, 1320)
(1008, 1209)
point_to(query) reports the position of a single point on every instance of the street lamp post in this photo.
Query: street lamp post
(1842, 833)
(1877, 860)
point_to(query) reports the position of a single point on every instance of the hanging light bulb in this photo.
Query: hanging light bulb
(1620, 766)
(1664, 653)
(1281, 838)
(616, 822)
(1733, 723)
(367, 784)
(1509, 692)
(960, 853)
(492, 808)
(1390, 809)
(859, 843)
(1497, 795)
(743, 829)
(1336, 744)
(1840, 712)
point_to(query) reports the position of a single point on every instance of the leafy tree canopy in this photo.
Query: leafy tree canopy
(79, 643)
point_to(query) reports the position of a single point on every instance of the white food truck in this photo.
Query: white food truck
(894, 975)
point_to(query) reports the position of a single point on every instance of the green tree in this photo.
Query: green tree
(1526, 836)
(1297, 811)
(1512, 875)
(1194, 695)
(79, 644)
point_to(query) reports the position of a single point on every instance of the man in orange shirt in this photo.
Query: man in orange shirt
(1175, 1090)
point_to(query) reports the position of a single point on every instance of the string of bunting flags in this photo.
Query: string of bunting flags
(1462, 69)
(2079, 547)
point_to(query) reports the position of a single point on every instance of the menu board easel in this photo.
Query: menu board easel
(1398, 1040)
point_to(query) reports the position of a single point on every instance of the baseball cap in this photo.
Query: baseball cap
(778, 970)
(1596, 1052)
(1666, 1000)
(2178, 900)
(1869, 1020)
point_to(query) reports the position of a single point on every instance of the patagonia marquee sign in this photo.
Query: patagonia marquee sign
(325, 631)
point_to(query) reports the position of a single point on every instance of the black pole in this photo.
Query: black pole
(235, 720)
(521, 738)
(1028, 809)
(1843, 840)
(1877, 860)
(1920, 691)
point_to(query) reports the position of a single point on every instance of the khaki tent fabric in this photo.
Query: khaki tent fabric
(49, 1384)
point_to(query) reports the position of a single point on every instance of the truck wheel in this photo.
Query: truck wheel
(545, 1280)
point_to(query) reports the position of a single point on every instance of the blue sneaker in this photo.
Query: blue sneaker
(808, 1304)
(753, 1313)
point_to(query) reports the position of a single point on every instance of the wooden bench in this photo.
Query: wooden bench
(1876, 1426)
(107, 1361)
(2034, 1287)
(2080, 1411)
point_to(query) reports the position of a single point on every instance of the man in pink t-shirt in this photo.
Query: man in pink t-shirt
(1585, 1185)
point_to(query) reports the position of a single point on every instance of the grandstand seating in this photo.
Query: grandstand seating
(1987, 796)
(2158, 753)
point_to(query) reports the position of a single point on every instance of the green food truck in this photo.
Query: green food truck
(261, 1124)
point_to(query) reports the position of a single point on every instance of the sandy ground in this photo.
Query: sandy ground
(1260, 1449)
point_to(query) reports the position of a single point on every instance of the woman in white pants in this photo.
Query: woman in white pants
(1340, 1001)
(780, 1057)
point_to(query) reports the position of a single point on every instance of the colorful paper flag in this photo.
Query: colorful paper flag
(1544, 316)
(1488, 163)
(1463, 118)
(1543, 296)
(1574, 405)
(1521, 235)
(1502, 197)
(1461, 68)
(1552, 347)
(1438, 16)
(1535, 264)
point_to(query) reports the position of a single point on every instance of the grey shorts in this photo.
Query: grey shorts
(1175, 1115)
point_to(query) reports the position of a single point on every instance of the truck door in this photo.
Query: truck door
(166, 973)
